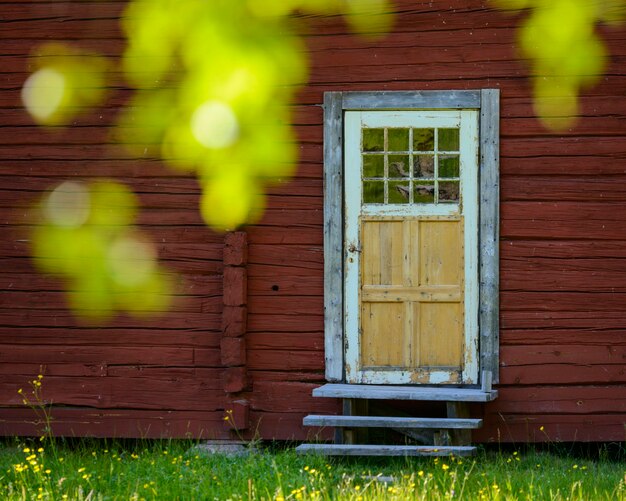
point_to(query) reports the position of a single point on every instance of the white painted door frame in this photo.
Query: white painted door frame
(354, 210)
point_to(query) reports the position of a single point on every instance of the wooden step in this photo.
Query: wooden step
(367, 391)
(391, 422)
(384, 450)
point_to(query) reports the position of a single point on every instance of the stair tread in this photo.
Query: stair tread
(391, 422)
(385, 450)
(388, 392)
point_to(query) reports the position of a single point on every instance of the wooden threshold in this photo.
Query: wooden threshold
(392, 422)
(384, 450)
(405, 393)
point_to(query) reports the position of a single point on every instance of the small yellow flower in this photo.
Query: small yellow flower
(80, 470)
(40, 449)
(444, 467)
(20, 391)
(541, 428)
(47, 472)
(26, 449)
(420, 473)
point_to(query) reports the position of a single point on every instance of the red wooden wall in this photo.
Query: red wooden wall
(563, 252)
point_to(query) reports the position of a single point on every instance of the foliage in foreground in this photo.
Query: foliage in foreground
(176, 470)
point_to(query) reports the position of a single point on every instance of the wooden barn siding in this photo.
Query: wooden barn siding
(132, 377)
(563, 254)
(563, 207)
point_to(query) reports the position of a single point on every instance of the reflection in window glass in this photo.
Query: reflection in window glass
(448, 140)
(449, 191)
(373, 139)
(374, 192)
(424, 166)
(399, 166)
(373, 166)
(448, 166)
(397, 139)
(423, 139)
(403, 165)
(399, 192)
(424, 192)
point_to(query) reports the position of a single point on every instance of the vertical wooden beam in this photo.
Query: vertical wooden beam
(459, 410)
(333, 235)
(233, 343)
(489, 231)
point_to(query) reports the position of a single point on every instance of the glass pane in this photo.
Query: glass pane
(448, 140)
(399, 192)
(399, 166)
(397, 139)
(373, 139)
(448, 166)
(423, 140)
(373, 165)
(424, 166)
(449, 191)
(424, 192)
(373, 192)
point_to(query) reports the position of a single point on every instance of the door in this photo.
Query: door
(411, 247)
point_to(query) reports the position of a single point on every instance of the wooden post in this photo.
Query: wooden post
(459, 410)
(233, 343)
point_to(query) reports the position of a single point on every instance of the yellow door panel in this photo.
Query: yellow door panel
(440, 253)
(440, 333)
(411, 294)
(378, 347)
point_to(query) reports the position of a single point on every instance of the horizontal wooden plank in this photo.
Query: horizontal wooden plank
(283, 426)
(562, 188)
(581, 337)
(286, 323)
(563, 373)
(95, 355)
(389, 392)
(588, 321)
(268, 280)
(582, 398)
(275, 396)
(274, 341)
(561, 301)
(604, 251)
(408, 99)
(563, 220)
(287, 376)
(118, 423)
(580, 275)
(385, 450)
(119, 392)
(603, 355)
(390, 422)
(63, 318)
(284, 360)
(551, 428)
(282, 304)
(109, 337)
(32, 300)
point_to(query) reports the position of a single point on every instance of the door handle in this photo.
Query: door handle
(353, 248)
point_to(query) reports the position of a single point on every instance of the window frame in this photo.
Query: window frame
(487, 102)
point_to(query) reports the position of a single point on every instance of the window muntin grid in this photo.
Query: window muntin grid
(410, 165)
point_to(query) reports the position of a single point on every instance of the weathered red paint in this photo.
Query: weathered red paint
(257, 297)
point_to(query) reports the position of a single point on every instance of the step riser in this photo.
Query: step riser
(384, 450)
(391, 422)
(404, 393)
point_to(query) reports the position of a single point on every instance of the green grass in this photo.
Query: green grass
(90, 469)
